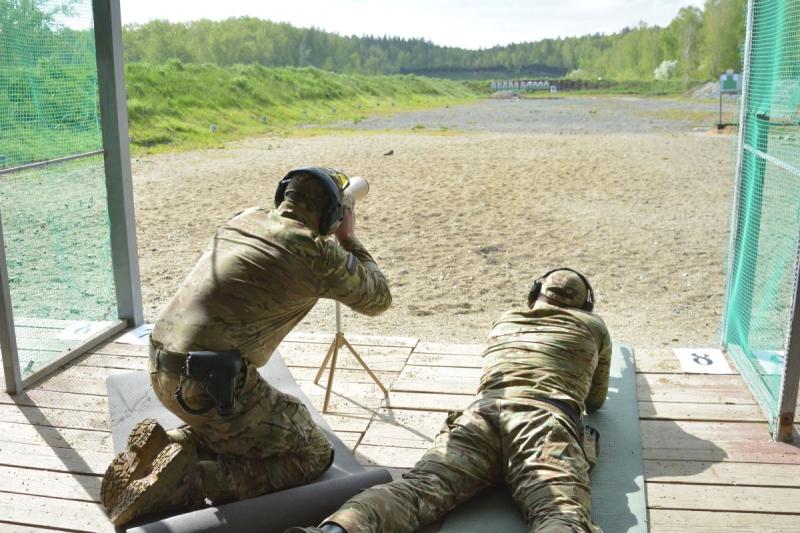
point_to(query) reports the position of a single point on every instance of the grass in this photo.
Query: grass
(174, 106)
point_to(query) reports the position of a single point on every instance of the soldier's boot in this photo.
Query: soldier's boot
(175, 485)
(145, 442)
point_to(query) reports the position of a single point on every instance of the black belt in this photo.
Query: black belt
(172, 362)
(567, 409)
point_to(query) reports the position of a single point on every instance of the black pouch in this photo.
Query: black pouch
(217, 373)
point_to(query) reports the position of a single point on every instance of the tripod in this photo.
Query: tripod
(339, 340)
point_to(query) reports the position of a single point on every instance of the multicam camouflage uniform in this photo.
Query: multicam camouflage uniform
(261, 274)
(508, 434)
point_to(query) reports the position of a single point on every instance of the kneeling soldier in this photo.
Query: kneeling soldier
(541, 367)
(261, 274)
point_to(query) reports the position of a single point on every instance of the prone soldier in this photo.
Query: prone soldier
(542, 366)
(261, 274)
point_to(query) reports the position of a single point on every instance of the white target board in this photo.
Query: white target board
(702, 361)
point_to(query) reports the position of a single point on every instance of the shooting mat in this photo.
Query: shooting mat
(618, 495)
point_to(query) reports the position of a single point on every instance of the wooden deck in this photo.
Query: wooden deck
(709, 463)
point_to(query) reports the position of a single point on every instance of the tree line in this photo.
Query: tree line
(696, 44)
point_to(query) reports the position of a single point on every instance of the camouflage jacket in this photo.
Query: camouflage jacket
(260, 275)
(548, 351)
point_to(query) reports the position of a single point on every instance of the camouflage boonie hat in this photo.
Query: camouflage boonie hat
(565, 287)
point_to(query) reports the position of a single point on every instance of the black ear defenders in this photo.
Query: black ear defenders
(536, 289)
(334, 209)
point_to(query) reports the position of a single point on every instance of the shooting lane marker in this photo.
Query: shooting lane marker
(139, 336)
(702, 361)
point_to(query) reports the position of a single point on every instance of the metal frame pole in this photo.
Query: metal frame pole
(8, 337)
(783, 426)
(114, 120)
(737, 194)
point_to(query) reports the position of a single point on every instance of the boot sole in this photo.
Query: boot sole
(158, 492)
(145, 442)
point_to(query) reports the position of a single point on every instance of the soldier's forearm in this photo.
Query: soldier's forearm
(363, 256)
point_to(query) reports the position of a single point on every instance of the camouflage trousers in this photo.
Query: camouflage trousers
(518, 442)
(268, 443)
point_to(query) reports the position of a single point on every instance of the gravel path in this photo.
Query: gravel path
(561, 116)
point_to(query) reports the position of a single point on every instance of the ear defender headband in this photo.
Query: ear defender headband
(333, 211)
(536, 289)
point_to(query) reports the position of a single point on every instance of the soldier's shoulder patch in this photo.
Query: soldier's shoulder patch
(352, 262)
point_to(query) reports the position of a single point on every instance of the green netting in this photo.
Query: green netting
(55, 216)
(767, 210)
(48, 81)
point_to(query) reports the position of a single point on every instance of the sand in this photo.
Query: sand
(468, 211)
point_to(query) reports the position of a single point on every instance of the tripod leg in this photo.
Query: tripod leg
(363, 364)
(336, 343)
(325, 362)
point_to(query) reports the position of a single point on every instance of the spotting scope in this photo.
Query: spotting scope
(356, 189)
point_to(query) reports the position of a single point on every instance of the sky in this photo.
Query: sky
(469, 24)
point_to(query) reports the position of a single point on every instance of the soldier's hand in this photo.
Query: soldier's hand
(346, 231)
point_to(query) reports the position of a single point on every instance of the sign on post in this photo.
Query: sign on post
(730, 83)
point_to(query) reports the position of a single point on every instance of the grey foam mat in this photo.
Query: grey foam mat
(619, 502)
(131, 398)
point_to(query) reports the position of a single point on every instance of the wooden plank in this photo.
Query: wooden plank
(344, 376)
(700, 411)
(83, 379)
(713, 441)
(46, 416)
(774, 475)
(46, 398)
(693, 388)
(723, 498)
(443, 348)
(385, 358)
(349, 438)
(79, 348)
(362, 340)
(427, 401)
(52, 512)
(78, 439)
(388, 456)
(125, 362)
(347, 398)
(406, 429)
(348, 422)
(117, 348)
(448, 380)
(56, 459)
(662, 361)
(438, 359)
(679, 521)
(52, 484)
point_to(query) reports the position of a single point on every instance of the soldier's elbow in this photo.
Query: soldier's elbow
(381, 306)
(593, 404)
